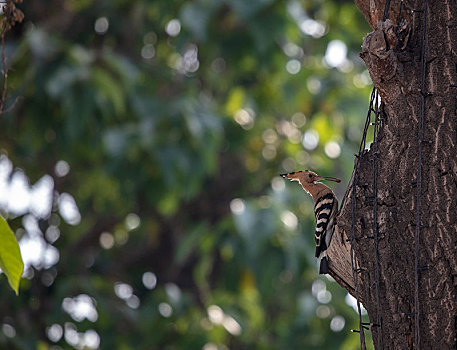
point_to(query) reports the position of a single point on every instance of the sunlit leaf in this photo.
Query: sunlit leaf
(10, 256)
(321, 124)
(235, 101)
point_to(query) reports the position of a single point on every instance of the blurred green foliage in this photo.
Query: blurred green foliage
(175, 118)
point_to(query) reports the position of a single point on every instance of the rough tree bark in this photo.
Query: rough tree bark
(392, 53)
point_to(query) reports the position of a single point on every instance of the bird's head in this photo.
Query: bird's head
(307, 176)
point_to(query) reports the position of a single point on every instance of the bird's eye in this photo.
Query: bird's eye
(310, 175)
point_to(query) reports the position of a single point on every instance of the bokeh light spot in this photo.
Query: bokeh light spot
(245, 118)
(332, 149)
(91, 339)
(54, 332)
(277, 184)
(362, 80)
(231, 325)
(190, 63)
(293, 66)
(289, 219)
(8, 330)
(269, 136)
(148, 51)
(324, 297)
(292, 50)
(123, 290)
(237, 206)
(269, 152)
(314, 28)
(106, 240)
(149, 280)
(210, 346)
(173, 292)
(101, 25)
(323, 311)
(336, 52)
(310, 139)
(62, 168)
(80, 307)
(47, 278)
(317, 286)
(215, 314)
(132, 221)
(165, 309)
(68, 209)
(299, 119)
(71, 334)
(173, 27)
(133, 302)
(337, 323)
(314, 85)
(52, 234)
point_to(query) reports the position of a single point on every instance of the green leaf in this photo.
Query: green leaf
(10, 256)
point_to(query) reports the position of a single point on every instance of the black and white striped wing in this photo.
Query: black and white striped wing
(324, 211)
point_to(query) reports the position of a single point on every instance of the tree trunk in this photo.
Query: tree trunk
(416, 173)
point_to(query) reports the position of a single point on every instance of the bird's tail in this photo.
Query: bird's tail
(321, 247)
(323, 268)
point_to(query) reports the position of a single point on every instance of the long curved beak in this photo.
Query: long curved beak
(329, 178)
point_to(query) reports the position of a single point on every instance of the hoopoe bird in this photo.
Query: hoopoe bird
(325, 209)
